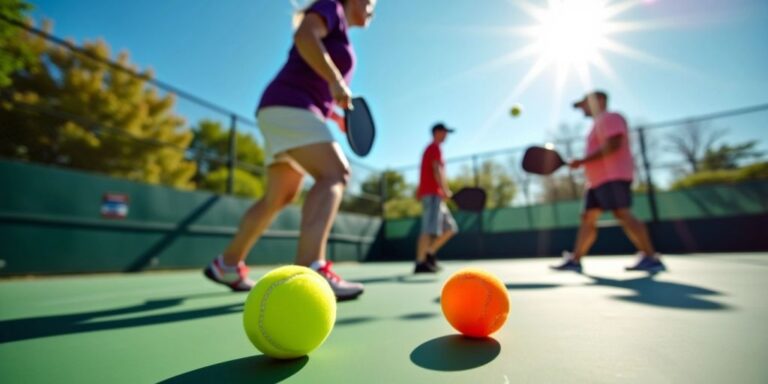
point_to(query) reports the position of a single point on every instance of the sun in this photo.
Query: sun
(571, 33)
(566, 39)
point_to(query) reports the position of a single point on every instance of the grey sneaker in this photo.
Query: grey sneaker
(236, 278)
(344, 290)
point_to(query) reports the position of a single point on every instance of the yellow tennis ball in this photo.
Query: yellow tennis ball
(289, 312)
(516, 110)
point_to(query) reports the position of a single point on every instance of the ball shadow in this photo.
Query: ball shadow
(253, 369)
(455, 353)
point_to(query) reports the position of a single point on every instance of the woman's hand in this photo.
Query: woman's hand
(342, 96)
(339, 120)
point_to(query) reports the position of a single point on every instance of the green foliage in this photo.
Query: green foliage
(395, 184)
(402, 207)
(493, 177)
(210, 149)
(360, 204)
(727, 156)
(757, 171)
(368, 203)
(211, 140)
(245, 184)
(15, 56)
(559, 188)
(69, 110)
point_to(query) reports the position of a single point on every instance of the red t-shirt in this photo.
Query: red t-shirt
(428, 185)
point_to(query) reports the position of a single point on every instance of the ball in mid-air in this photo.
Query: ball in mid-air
(475, 302)
(289, 312)
(516, 110)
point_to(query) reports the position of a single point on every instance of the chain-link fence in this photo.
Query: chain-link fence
(722, 148)
(79, 106)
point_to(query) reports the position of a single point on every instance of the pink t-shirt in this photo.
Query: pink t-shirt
(618, 166)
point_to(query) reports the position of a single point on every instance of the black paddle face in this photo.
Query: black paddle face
(542, 161)
(360, 128)
(470, 199)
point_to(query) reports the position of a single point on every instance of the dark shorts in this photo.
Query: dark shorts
(609, 196)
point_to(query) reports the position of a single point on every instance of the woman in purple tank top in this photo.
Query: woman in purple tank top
(292, 116)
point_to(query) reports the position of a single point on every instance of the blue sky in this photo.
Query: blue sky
(427, 61)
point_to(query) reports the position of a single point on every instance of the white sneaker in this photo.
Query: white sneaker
(344, 290)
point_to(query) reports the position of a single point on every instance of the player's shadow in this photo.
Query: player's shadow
(44, 326)
(648, 291)
(455, 353)
(407, 278)
(367, 319)
(253, 369)
(512, 286)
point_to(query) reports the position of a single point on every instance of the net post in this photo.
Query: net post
(648, 179)
(232, 155)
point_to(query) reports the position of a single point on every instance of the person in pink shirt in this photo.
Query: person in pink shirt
(609, 170)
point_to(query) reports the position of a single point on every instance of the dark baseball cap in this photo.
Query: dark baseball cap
(595, 94)
(442, 127)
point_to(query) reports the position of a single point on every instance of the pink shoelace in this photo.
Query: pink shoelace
(326, 271)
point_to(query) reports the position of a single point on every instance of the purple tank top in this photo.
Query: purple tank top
(297, 84)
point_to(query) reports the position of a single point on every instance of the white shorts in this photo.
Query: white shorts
(287, 128)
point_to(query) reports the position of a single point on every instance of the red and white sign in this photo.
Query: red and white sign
(114, 206)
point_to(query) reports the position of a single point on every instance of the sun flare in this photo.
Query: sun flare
(571, 32)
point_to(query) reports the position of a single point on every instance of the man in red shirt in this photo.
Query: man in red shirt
(437, 224)
(609, 170)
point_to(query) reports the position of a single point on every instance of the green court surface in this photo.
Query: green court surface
(704, 321)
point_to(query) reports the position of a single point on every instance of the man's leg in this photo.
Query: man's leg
(635, 230)
(587, 233)
(449, 228)
(439, 241)
(422, 247)
(430, 231)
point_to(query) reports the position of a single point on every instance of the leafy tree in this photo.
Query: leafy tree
(396, 186)
(757, 171)
(727, 156)
(210, 149)
(368, 201)
(402, 207)
(15, 56)
(68, 109)
(245, 183)
(493, 177)
(692, 141)
(560, 187)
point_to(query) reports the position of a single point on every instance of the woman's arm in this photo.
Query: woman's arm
(308, 41)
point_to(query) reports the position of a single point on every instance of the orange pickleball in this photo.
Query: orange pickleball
(475, 302)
